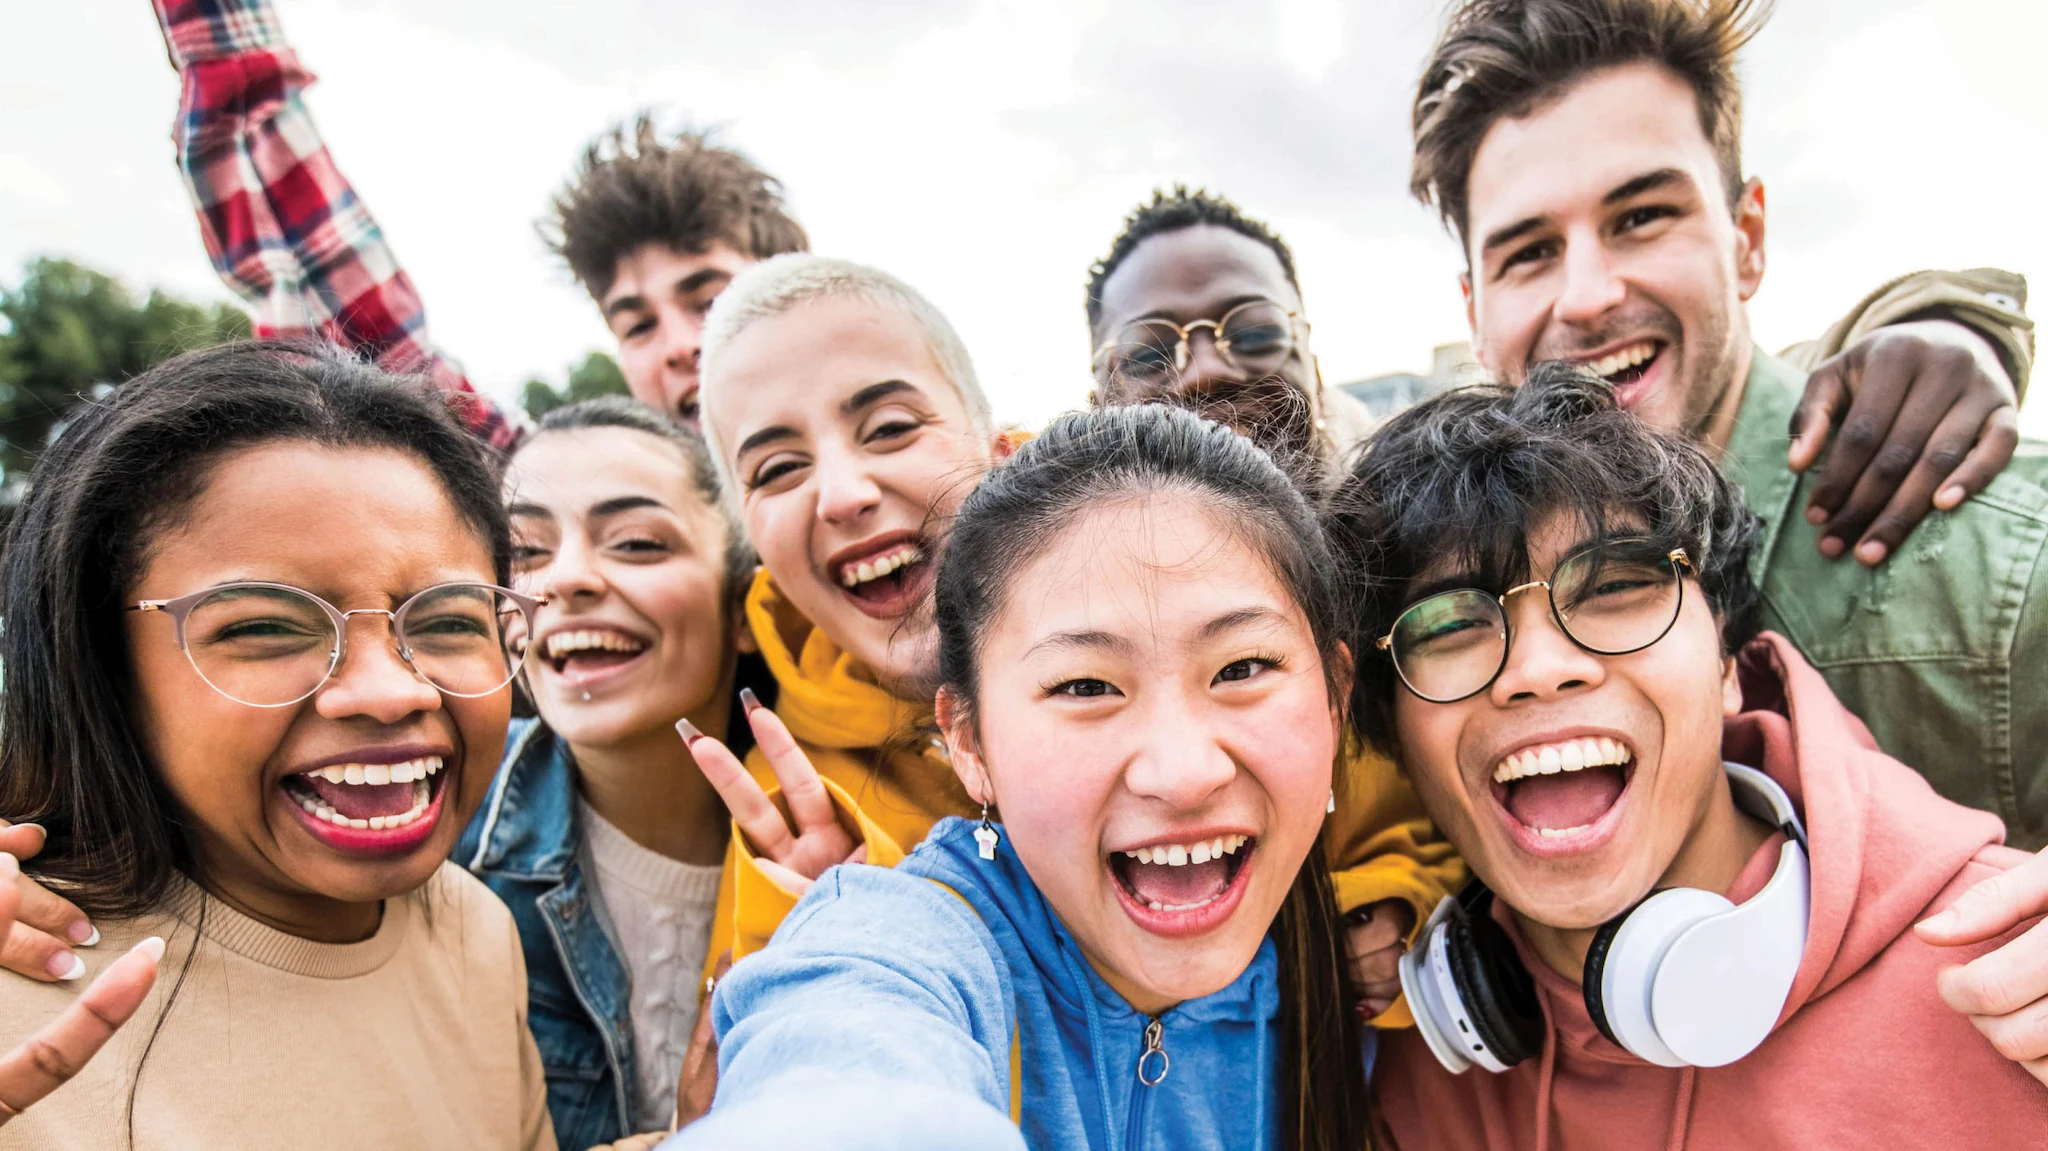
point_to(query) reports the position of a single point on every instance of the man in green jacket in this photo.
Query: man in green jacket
(1587, 155)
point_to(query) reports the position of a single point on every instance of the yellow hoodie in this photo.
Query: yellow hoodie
(892, 784)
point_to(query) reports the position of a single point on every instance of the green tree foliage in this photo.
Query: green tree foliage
(68, 332)
(596, 376)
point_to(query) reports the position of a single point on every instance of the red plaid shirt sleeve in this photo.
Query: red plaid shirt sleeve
(281, 223)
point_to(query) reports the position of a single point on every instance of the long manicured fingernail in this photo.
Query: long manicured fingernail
(1816, 515)
(1941, 921)
(82, 933)
(1951, 497)
(1832, 546)
(749, 700)
(1872, 552)
(688, 731)
(154, 945)
(65, 966)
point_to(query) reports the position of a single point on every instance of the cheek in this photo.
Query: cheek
(481, 723)
(1428, 738)
(1507, 321)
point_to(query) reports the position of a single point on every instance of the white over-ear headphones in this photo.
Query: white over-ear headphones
(1683, 978)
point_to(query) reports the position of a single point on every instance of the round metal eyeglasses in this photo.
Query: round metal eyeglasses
(1610, 599)
(272, 645)
(1255, 338)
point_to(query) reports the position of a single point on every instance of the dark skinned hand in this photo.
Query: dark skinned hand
(1927, 417)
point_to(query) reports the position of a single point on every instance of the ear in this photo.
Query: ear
(1004, 442)
(963, 748)
(1731, 687)
(1749, 238)
(1472, 318)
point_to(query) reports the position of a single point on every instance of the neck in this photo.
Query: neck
(305, 915)
(650, 789)
(1720, 422)
(1720, 846)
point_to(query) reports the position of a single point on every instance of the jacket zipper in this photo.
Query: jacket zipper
(1152, 1067)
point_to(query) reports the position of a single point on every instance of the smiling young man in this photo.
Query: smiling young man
(1587, 155)
(652, 228)
(1700, 875)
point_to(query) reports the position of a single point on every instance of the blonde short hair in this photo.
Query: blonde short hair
(775, 286)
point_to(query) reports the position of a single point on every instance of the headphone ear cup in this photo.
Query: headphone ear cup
(1498, 992)
(1596, 968)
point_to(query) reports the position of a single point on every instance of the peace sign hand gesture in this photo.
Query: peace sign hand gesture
(791, 856)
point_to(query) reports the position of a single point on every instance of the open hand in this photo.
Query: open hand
(792, 850)
(1376, 935)
(2005, 992)
(48, 1059)
(49, 926)
(1928, 416)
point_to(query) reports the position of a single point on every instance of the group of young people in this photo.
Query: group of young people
(1635, 750)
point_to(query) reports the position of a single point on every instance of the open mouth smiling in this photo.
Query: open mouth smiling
(370, 808)
(1183, 888)
(1565, 795)
(885, 577)
(582, 655)
(1628, 368)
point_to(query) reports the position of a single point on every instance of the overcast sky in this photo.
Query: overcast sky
(987, 152)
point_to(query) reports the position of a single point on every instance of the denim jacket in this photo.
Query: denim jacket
(525, 843)
(1942, 650)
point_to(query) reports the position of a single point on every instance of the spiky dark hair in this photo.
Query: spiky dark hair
(1171, 211)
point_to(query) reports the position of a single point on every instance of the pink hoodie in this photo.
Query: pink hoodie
(1866, 1056)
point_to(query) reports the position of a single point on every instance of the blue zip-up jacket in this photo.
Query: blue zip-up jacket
(882, 1014)
(525, 843)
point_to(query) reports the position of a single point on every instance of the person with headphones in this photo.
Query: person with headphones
(1695, 875)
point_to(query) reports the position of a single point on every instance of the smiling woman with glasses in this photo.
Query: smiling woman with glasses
(231, 751)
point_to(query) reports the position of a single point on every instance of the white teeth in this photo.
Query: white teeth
(402, 772)
(564, 643)
(377, 773)
(1569, 755)
(333, 774)
(1624, 359)
(1182, 854)
(422, 795)
(1560, 832)
(353, 773)
(857, 574)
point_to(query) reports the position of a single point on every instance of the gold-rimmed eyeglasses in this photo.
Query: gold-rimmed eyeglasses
(1611, 598)
(1255, 337)
(272, 644)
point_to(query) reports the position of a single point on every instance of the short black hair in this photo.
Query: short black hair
(1469, 474)
(1172, 211)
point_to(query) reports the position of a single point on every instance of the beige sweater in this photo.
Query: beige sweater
(415, 1037)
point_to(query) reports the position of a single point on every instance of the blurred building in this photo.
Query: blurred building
(1450, 365)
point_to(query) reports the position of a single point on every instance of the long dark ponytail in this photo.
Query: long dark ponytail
(1080, 462)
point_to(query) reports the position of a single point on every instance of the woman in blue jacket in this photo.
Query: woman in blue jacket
(1141, 665)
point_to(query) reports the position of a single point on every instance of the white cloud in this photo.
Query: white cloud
(988, 152)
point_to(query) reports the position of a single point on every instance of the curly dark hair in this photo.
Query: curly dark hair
(1171, 211)
(633, 187)
(1466, 476)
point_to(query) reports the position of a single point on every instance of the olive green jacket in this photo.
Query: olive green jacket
(1943, 649)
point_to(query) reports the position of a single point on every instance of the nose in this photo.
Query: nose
(1180, 761)
(847, 491)
(573, 572)
(374, 680)
(1543, 662)
(1207, 370)
(1593, 286)
(682, 341)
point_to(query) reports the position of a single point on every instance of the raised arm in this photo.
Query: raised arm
(282, 225)
(877, 1019)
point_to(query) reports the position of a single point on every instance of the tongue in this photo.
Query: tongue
(1567, 799)
(361, 801)
(1172, 886)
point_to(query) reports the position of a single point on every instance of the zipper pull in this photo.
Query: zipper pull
(1146, 1074)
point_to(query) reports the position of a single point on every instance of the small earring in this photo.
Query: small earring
(986, 835)
(1331, 809)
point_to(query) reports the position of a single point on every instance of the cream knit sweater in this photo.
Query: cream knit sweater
(415, 1037)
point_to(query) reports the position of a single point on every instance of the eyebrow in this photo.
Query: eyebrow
(1080, 639)
(1241, 617)
(534, 510)
(1210, 312)
(700, 278)
(1626, 190)
(874, 394)
(617, 504)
